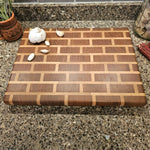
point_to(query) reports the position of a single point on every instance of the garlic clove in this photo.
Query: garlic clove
(31, 57)
(44, 51)
(47, 43)
(59, 33)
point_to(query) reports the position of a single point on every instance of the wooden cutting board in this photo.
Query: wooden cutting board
(89, 66)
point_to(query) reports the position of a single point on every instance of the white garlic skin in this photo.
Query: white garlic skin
(44, 51)
(31, 57)
(37, 35)
(47, 43)
(59, 33)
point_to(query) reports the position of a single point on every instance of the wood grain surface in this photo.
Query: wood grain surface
(86, 67)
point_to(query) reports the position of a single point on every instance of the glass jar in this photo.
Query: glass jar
(142, 24)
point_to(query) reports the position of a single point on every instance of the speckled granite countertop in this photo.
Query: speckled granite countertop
(78, 12)
(82, 128)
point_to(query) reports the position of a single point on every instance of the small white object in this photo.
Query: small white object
(45, 51)
(107, 137)
(47, 43)
(37, 35)
(31, 57)
(59, 33)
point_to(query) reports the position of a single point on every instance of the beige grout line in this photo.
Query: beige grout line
(92, 77)
(108, 87)
(56, 67)
(42, 77)
(90, 42)
(32, 67)
(130, 67)
(135, 88)
(66, 100)
(67, 76)
(81, 34)
(11, 100)
(115, 57)
(118, 76)
(103, 34)
(124, 34)
(54, 88)
(127, 50)
(104, 50)
(21, 59)
(81, 88)
(72, 82)
(93, 100)
(26, 41)
(28, 88)
(81, 67)
(122, 100)
(113, 42)
(17, 76)
(106, 68)
(38, 100)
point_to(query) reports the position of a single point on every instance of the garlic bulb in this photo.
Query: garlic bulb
(31, 57)
(59, 33)
(37, 35)
(44, 51)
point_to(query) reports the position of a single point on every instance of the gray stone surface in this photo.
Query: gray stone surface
(77, 12)
(73, 128)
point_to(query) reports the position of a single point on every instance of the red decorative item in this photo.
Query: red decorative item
(145, 49)
(10, 29)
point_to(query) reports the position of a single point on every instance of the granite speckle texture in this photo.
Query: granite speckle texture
(82, 128)
(77, 12)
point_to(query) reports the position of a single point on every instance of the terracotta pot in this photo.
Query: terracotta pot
(10, 29)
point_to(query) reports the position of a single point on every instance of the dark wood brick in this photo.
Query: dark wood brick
(56, 58)
(92, 34)
(29, 77)
(93, 67)
(52, 100)
(135, 100)
(106, 77)
(26, 50)
(80, 58)
(80, 100)
(54, 77)
(104, 58)
(115, 50)
(102, 42)
(79, 77)
(80, 42)
(126, 58)
(70, 50)
(68, 88)
(123, 42)
(113, 34)
(94, 88)
(16, 87)
(121, 88)
(130, 77)
(44, 67)
(24, 99)
(108, 100)
(69, 67)
(41, 87)
(92, 50)
(118, 67)
(22, 67)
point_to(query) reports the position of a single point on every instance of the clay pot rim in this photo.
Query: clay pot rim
(12, 16)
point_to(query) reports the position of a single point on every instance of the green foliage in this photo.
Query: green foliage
(5, 9)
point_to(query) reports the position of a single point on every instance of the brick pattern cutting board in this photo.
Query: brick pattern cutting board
(86, 67)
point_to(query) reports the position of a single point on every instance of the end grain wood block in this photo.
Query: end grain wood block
(85, 67)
